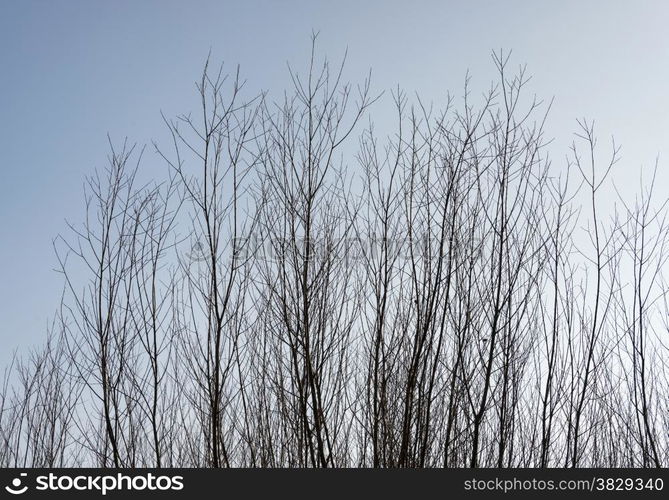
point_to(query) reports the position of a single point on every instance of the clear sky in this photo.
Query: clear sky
(73, 71)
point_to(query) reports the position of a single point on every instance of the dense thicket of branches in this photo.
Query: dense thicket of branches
(300, 292)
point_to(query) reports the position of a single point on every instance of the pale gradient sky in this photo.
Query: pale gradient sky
(73, 71)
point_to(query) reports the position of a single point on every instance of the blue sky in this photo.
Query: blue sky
(73, 71)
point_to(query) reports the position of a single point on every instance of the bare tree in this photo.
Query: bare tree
(300, 291)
